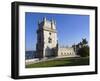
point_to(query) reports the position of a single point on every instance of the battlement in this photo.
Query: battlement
(51, 24)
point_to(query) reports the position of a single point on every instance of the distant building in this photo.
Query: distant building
(47, 41)
(66, 52)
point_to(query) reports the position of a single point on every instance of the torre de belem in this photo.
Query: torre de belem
(47, 42)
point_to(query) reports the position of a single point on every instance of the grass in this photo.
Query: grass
(75, 61)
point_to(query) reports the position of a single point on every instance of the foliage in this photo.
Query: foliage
(84, 51)
(82, 48)
(84, 41)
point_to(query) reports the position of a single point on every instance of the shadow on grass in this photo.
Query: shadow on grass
(75, 61)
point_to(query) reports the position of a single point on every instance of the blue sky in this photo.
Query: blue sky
(70, 28)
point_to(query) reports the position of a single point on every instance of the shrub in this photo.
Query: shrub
(84, 51)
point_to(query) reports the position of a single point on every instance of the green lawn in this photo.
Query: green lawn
(61, 62)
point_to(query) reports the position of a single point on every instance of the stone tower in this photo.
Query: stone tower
(46, 39)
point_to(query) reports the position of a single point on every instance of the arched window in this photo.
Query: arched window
(49, 33)
(49, 40)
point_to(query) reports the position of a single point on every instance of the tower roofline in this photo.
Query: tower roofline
(44, 19)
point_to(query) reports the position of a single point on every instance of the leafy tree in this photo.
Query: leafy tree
(80, 44)
(83, 52)
(84, 41)
(82, 49)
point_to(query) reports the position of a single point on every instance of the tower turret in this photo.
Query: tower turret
(53, 26)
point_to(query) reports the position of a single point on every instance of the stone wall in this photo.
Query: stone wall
(66, 52)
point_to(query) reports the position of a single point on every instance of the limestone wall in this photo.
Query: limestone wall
(66, 52)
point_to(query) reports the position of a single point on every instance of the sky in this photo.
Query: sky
(71, 28)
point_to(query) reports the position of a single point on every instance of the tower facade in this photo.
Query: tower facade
(46, 39)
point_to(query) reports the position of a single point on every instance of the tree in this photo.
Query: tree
(83, 52)
(80, 44)
(82, 49)
(84, 42)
